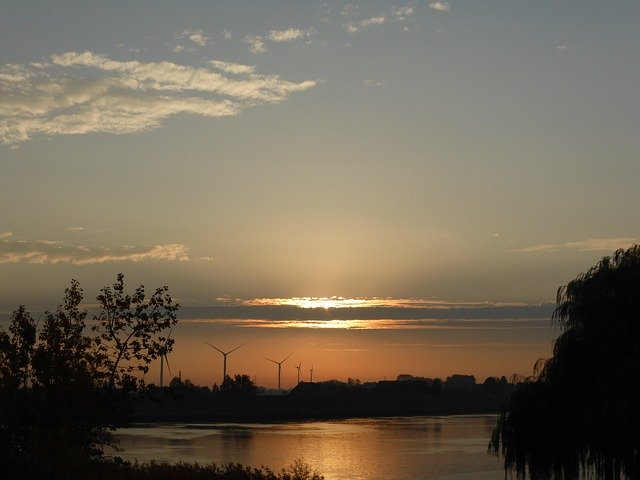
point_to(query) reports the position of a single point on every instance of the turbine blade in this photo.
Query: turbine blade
(236, 348)
(271, 360)
(213, 346)
(167, 362)
(285, 359)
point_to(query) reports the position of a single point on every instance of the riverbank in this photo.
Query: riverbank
(208, 407)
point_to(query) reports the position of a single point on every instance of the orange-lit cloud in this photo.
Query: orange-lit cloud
(342, 302)
(382, 324)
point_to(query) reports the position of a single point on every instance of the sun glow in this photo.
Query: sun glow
(364, 302)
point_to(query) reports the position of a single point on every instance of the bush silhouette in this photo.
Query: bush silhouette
(578, 414)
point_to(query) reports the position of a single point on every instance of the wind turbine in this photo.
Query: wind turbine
(279, 366)
(298, 367)
(224, 355)
(311, 371)
(163, 358)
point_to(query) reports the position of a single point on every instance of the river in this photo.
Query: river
(407, 448)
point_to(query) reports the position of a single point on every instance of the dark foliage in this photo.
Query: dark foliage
(117, 469)
(62, 388)
(238, 385)
(578, 415)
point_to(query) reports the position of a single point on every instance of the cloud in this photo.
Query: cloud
(234, 68)
(6, 234)
(226, 34)
(178, 49)
(372, 313)
(401, 13)
(256, 44)
(590, 245)
(369, 302)
(353, 27)
(194, 35)
(76, 229)
(381, 324)
(42, 252)
(286, 35)
(373, 83)
(86, 92)
(440, 6)
(350, 9)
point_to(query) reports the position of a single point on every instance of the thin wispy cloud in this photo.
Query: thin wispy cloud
(349, 9)
(194, 35)
(440, 6)
(6, 234)
(373, 83)
(234, 68)
(256, 44)
(402, 13)
(354, 27)
(589, 245)
(286, 35)
(78, 93)
(379, 324)
(42, 252)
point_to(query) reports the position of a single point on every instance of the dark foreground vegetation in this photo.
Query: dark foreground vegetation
(185, 402)
(579, 414)
(116, 469)
(67, 383)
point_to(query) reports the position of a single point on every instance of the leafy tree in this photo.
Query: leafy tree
(16, 350)
(61, 385)
(238, 385)
(578, 414)
(130, 329)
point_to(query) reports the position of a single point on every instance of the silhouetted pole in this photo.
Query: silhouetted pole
(298, 367)
(279, 366)
(224, 356)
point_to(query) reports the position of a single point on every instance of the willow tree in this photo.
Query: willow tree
(579, 415)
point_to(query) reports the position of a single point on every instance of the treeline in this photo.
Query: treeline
(182, 401)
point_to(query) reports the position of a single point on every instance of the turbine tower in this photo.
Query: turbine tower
(298, 368)
(163, 358)
(279, 366)
(311, 372)
(224, 355)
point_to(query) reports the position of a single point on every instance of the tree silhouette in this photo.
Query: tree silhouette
(61, 389)
(130, 329)
(238, 385)
(578, 414)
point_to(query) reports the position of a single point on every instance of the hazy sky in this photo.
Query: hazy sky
(458, 151)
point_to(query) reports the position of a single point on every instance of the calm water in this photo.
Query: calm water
(451, 448)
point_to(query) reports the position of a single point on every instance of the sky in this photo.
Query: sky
(378, 187)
